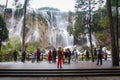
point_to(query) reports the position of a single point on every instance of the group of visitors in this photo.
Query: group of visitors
(36, 55)
(62, 56)
(52, 55)
(99, 54)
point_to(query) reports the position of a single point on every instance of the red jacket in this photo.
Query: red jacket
(49, 56)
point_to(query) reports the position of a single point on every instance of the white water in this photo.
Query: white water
(57, 23)
(35, 35)
(58, 30)
(93, 40)
(15, 27)
(12, 24)
(18, 29)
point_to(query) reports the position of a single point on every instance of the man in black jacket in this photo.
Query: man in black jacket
(38, 54)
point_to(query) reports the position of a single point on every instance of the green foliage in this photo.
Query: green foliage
(113, 2)
(103, 22)
(7, 49)
(19, 6)
(80, 3)
(70, 30)
(101, 37)
(32, 46)
(119, 42)
(76, 29)
(30, 49)
(11, 45)
(16, 42)
(3, 29)
(79, 26)
(70, 27)
(99, 23)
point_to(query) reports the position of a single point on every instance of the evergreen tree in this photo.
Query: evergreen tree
(3, 31)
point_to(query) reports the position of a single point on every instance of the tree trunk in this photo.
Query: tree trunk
(5, 9)
(0, 45)
(90, 37)
(0, 50)
(24, 25)
(117, 34)
(115, 57)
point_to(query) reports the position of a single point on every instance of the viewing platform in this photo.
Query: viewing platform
(44, 69)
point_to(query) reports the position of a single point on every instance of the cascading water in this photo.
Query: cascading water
(35, 35)
(15, 26)
(88, 40)
(12, 23)
(58, 28)
(54, 22)
(18, 29)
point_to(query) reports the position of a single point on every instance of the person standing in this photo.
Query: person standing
(60, 56)
(95, 54)
(105, 55)
(87, 55)
(99, 56)
(69, 55)
(38, 54)
(32, 57)
(15, 55)
(49, 56)
(54, 54)
(35, 54)
(23, 56)
(65, 55)
(75, 55)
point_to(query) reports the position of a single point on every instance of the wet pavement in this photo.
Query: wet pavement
(47, 65)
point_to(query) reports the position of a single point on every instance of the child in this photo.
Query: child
(32, 57)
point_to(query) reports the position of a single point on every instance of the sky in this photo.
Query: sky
(63, 5)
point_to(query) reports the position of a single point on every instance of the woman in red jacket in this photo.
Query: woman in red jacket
(49, 56)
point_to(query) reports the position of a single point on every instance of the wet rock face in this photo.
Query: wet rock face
(47, 28)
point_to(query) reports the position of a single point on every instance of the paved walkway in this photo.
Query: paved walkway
(61, 78)
(47, 65)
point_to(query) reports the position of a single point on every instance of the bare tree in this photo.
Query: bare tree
(115, 57)
(24, 25)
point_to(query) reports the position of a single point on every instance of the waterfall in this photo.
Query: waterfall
(58, 28)
(88, 40)
(18, 29)
(56, 24)
(93, 40)
(15, 26)
(12, 23)
(35, 35)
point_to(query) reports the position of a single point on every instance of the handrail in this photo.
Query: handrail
(4, 57)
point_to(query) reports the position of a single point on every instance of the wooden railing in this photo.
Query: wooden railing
(7, 58)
